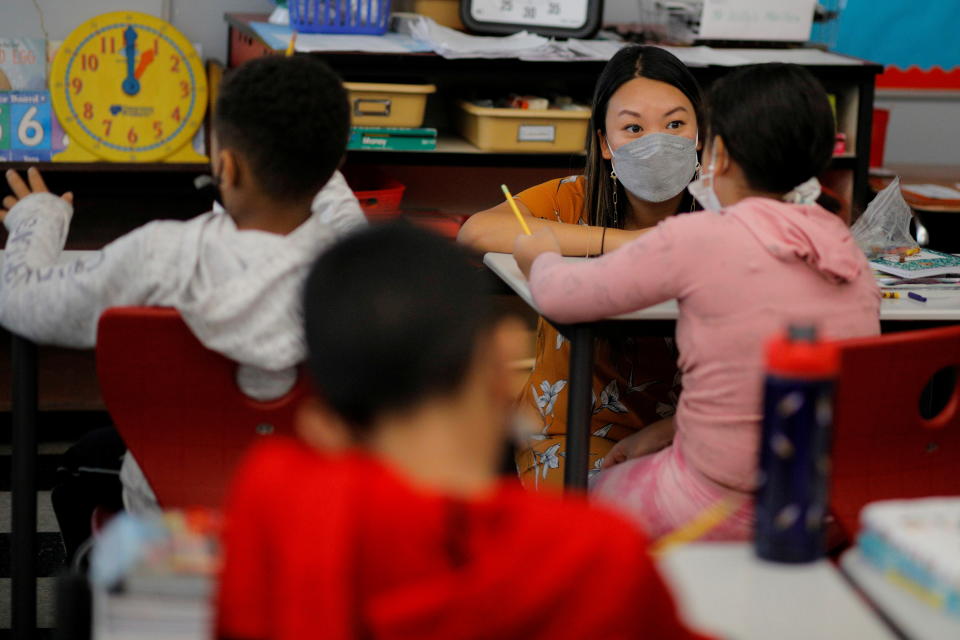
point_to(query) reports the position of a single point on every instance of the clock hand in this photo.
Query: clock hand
(130, 86)
(145, 59)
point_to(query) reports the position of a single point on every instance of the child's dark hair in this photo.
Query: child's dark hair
(776, 122)
(289, 117)
(393, 315)
(632, 62)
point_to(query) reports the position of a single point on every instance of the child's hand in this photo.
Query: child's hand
(527, 248)
(22, 189)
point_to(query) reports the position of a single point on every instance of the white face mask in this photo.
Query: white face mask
(702, 187)
(655, 167)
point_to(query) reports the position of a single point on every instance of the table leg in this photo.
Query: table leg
(23, 485)
(578, 407)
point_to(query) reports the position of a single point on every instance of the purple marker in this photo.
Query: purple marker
(916, 296)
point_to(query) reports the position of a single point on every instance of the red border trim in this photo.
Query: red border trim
(916, 78)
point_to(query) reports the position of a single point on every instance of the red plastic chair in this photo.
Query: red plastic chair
(883, 448)
(177, 405)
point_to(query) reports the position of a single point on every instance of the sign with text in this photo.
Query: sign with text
(783, 20)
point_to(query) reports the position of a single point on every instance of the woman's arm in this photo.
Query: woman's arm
(497, 228)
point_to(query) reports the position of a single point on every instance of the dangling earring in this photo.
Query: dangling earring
(613, 177)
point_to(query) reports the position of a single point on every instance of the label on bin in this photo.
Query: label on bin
(536, 133)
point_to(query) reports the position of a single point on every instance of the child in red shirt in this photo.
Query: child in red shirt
(389, 520)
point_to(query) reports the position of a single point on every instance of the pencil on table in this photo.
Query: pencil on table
(516, 211)
(292, 46)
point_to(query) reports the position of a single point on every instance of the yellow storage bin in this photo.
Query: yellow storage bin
(387, 105)
(512, 130)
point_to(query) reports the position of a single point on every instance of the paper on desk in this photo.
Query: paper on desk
(809, 57)
(453, 44)
(278, 37)
(936, 191)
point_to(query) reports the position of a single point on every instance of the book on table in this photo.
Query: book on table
(925, 263)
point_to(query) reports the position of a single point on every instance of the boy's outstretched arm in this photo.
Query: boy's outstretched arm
(53, 302)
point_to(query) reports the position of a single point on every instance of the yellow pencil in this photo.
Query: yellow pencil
(698, 526)
(293, 42)
(516, 211)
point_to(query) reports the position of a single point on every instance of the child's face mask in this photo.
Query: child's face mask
(655, 167)
(702, 188)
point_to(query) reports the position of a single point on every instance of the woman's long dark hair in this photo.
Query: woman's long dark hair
(629, 63)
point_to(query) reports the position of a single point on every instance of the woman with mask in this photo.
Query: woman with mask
(642, 154)
(762, 256)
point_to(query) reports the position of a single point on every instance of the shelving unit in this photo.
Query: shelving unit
(853, 85)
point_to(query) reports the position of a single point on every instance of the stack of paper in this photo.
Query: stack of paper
(453, 44)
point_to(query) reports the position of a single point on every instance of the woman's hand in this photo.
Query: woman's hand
(527, 248)
(648, 440)
(21, 189)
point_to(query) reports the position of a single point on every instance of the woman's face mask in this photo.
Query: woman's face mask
(655, 167)
(702, 188)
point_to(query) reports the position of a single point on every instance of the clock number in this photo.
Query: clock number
(89, 62)
(132, 136)
(88, 110)
(176, 114)
(30, 131)
(106, 126)
(506, 5)
(156, 46)
(553, 9)
(103, 44)
(175, 67)
(158, 129)
(77, 85)
(184, 88)
(530, 12)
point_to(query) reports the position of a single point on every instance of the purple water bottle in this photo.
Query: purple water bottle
(795, 447)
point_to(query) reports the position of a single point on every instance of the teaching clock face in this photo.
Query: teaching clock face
(129, 87)
(565, 18)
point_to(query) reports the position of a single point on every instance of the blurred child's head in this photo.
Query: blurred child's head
(280, 127)
(770, 128)
(396, 319)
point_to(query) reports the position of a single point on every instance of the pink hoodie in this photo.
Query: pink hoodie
(739, 276)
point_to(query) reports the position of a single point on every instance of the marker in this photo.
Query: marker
(916, 296)
(516, 211)
(890, 294)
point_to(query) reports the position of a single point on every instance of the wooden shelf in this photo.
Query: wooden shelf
(454, 150)
(111, 167)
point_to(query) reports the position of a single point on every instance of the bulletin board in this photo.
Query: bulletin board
(915, 40)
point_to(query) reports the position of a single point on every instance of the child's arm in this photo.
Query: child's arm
(60, 303)
(496, 229)
(640, 274)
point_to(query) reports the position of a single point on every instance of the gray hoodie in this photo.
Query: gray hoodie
(237, 290)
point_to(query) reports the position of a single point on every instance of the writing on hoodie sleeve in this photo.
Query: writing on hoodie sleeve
(54, 302)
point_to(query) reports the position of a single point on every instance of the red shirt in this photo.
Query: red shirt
(342, 547)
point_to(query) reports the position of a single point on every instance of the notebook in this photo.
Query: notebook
(925, 263)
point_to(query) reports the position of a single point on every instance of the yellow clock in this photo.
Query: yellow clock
(128, 87)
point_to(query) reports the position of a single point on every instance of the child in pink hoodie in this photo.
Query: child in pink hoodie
(761, 256)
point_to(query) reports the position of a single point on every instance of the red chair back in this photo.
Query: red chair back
(883, 448)
(177, 404)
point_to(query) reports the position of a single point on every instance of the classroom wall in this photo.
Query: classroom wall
(200, 20)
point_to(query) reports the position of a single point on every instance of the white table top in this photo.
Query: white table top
(722, 589)
(940, 306)
(915, 618)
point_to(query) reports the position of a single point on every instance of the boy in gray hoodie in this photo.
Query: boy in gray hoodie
(279, 133)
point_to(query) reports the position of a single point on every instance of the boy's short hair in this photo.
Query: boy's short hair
(289, 117)
(393, 316)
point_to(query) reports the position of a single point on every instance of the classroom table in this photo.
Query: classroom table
(913, 617)
(942, 308)
(723, 589)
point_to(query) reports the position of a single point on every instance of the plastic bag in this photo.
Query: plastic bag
(884, 228)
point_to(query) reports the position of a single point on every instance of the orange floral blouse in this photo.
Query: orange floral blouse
(635, 380)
